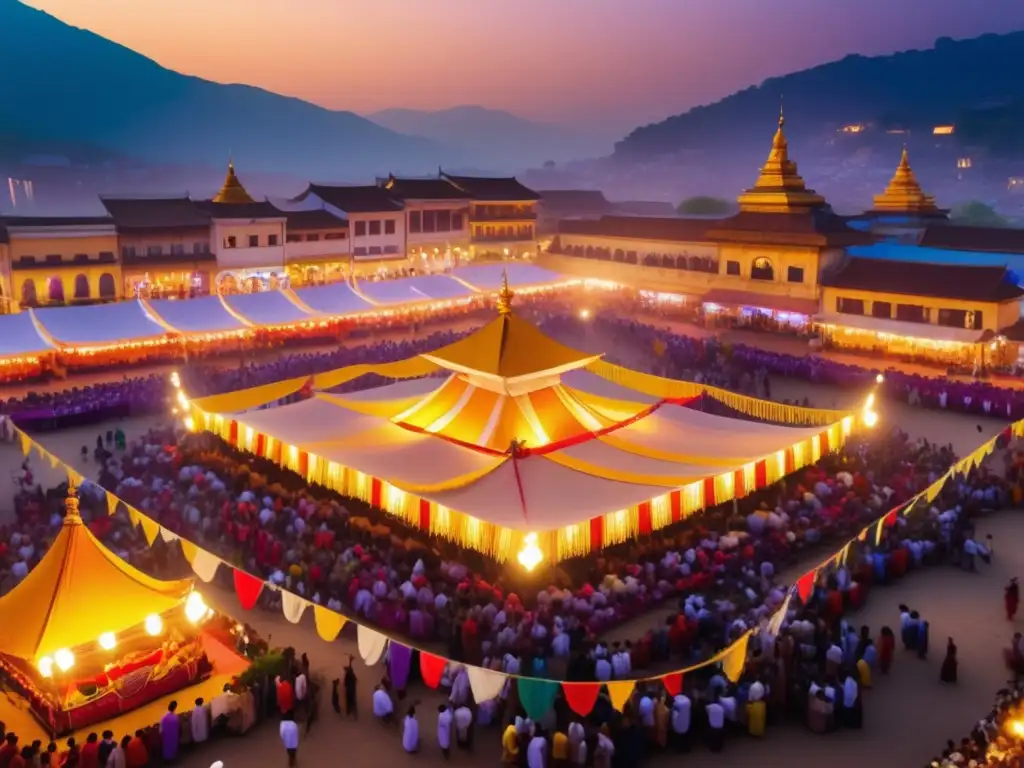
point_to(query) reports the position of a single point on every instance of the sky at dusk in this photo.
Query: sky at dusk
(617, 62)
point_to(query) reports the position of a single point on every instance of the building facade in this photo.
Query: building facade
(502, 216)
(436, 220)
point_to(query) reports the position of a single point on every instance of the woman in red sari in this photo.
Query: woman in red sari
(886, 646)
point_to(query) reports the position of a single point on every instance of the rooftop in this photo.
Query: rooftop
(904, 194)
(423, 189)
(483, 188)
(987, 239)
(961, 282)
(253, 210)
(156, 213)
(319, 218)
(232, 192)
(361, 199)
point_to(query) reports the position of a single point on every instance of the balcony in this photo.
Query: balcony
(165, 257)
(510, 238)
(261, 257)
(500, 214)
(318, 250)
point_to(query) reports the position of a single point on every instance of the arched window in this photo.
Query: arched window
(28, 293)
(619, 255)
(589, 252)
(55, 290)
(762, 269)
(81, 286)
(108, 287)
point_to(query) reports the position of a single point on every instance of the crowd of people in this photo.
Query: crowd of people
(996, 741)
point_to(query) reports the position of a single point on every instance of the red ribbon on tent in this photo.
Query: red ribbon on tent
(805, 585)
(673, 683)
(581, 697)
(519, 486)
(247, 587)
(432, 669)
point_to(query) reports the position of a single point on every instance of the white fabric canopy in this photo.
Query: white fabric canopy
(387, 292)
(400, 390)
(334, 299)
(20, 337)
(205, 314)
(99, 323)
(487, 277)
(439, 287)
(585, 381)
(267, 308)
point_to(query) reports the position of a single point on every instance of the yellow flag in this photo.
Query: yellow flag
(133, 515)
(879, 527)
(935, 488)
(54, 461)
(112, 502)
(735, 659)
(843, 554)
(26, 443)
(188, 549)
(619, 692)
(74, 478)
(150, 527)
(328, 623)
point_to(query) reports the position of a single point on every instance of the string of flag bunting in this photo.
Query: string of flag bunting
(537, 695)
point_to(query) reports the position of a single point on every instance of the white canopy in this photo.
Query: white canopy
(487, 277)
(439, 287)
(332, 300)
(267, 308)
(19, 336)
(205, 314)
(99, 324)
(924, 331)
(388, 292)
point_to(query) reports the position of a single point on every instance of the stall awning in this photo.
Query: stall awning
(880, 325)
(730, 298)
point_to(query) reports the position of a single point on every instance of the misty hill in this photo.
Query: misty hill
(65, 84)
(972, 83)
(492, 138)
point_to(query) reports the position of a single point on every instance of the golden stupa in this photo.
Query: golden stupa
(904, 193)
(779, 188)
(232, 192)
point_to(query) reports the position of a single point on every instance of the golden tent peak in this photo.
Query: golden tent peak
(903, 193)
(505, 295)
(232, 192)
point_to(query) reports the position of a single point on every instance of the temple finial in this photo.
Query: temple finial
(505, 295)
(782, 114)
(71, 504)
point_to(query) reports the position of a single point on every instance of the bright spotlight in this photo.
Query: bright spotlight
(108, 641)
(154, 624)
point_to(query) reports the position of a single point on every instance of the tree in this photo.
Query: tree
(975, 213)
(702, 205)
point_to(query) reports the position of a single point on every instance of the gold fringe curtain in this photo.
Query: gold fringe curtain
(663, 389)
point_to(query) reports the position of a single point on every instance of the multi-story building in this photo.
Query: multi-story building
(436, 220)
(502, 215)
(316, 247)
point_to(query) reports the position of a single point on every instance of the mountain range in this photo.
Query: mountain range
(974, 84)
(499, 138)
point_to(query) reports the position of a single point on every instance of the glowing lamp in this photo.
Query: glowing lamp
(195, 608)
(175, 380)
(584, 314)
(1017, 728)
(530, 555)
(870, 418)
(46, 666)
(182, 400)
(108, 641)
(879, 379)
(190, 424)
(65, 659)
(154, 624)
(870, 402)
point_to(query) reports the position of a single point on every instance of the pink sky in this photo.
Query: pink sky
(625, 61)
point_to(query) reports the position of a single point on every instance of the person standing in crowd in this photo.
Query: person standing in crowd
(463, 719)
(411, 732)
(383, 707)
(200, 722)
(537, 751)
(948, 673)
(170, 732)
(289, 731)
(118, 754)
(1011, 599)
(351, 708)
(444, 730)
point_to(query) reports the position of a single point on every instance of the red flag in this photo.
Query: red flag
(248, 589)
(805, 585)
(890, 518)
(432, 669)
(581, 697)
(673, 683)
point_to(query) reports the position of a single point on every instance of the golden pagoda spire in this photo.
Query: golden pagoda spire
(903, 193)
(71, 514)
(232, 192)
(779, 188)
(505, 296)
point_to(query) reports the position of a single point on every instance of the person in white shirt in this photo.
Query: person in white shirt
(716, 726)
(200, 722)
(301, 689)
(537, 752)
(852, 710)
(681, 707)
(602, 670)
(383, 707)
(410, 732)
(463, 718)
(577, 744)
(646, 711)
(444, 729)
(290, 736)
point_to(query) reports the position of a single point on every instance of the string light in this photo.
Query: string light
(195, 608)
(154, 624)
(65, 659)
(45, 665)
(108, 641)
(530, 555)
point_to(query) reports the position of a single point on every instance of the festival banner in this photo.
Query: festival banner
(581, 697)
(112, 502)
(399, 664)
(168, 535)
(673, 683)
(371, 644)
(805, 585)
(247, 587)
(432, 669)
(619, 692)
(292, 606)
(205, 565)
(328, 623)
(537, 696)
(486, 684)
(735, 659)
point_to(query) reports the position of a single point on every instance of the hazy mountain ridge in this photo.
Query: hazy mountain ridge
(912, 90)
(74, 86)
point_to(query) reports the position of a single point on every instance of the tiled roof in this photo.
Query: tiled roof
(423, 189)
(498, 189)
(988, 239)
(155, 213)
(817, 226)
(258, 210)
(946, 281)
(318, 218)
(364, 199)
(640, 228)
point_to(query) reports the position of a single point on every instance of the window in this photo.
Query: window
(391, 249)
(849, 306)
(415, 221)
(912, 313)
(430, 221)
(128, 252)
(360, 250)
(882, 309)
(732, 268)
(53, 258)
(312, 238)
(360, 228)
(232, 241)
(457, 219)
(154, 250)
(444, 221)
(178, 249)
(200, 247)
(389, 226)
(293, 238)
(254, 241)
(762, 269)
(81, 258)
(961, 318)
(375, 250)
(375, 227)
(81, 287)
(334, 236)
(271, 239)
(107, 257)
(795, 274)
(108, 289)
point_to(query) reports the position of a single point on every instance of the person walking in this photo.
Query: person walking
(290, 737)
(1011, 599)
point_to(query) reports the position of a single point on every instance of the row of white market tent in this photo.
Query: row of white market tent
(37, 332)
